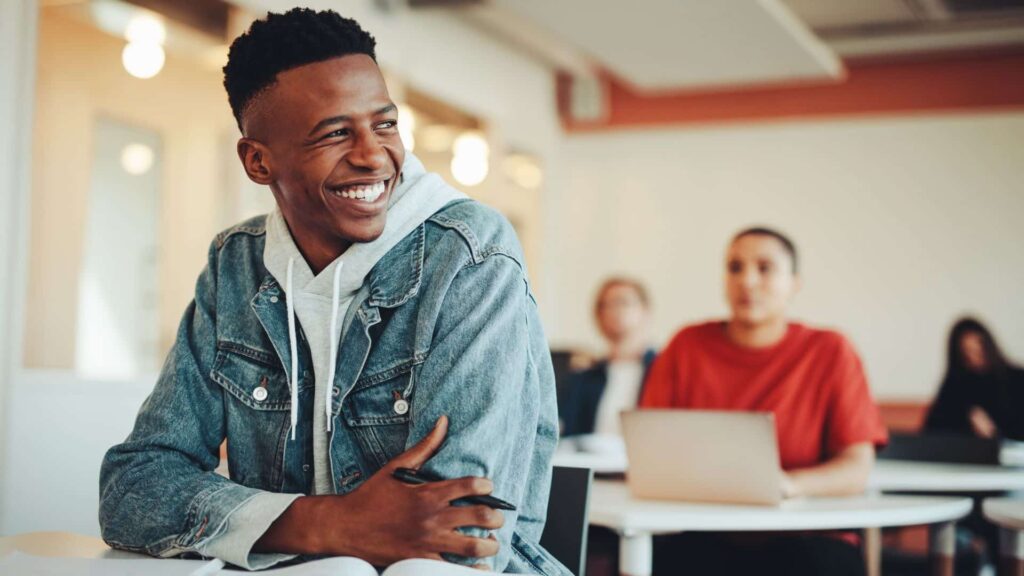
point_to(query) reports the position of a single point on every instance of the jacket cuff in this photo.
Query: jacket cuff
(232, 519)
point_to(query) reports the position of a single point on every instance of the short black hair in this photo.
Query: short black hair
(771, 233)
(281, 42)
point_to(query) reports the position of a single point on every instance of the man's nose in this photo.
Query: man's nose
(750, 277)
(368, 153)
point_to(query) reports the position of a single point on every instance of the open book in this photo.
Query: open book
(26, 565)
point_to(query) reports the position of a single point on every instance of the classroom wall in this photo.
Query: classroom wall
(81, 80)
(903, 223)
(17, 36)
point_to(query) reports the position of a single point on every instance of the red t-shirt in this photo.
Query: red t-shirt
(812, 380)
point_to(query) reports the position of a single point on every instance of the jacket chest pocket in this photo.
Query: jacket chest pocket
(377, 411)
(251, 377)
(257, 409)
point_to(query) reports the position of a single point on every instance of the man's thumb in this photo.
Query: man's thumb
(418, 455)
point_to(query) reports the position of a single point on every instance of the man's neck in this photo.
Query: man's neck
(318, 255)
(759, 335)
(628, 349)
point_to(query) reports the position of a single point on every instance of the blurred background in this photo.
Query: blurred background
(885, 136)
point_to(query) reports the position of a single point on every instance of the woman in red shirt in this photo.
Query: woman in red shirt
(811, 379)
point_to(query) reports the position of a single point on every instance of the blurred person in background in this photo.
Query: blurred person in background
(811, 379)
(597, 395)
(982, 393)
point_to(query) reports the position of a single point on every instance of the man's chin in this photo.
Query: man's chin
(362, 235)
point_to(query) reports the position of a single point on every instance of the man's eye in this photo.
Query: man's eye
(388, 124)
(341, 132)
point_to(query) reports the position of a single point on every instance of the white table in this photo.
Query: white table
(636, 521)
(1008, 514)
(607, 463)
(67, 549)
(888, 475)
(901, 476)
(1011, 453)
(62, 544)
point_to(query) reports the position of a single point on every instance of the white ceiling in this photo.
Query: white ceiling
(673, 44)
(846, 13)
(657, 45)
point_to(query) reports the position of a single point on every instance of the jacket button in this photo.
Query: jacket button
(260, 394)
(273, 299)
(336, 392)
(401, 407)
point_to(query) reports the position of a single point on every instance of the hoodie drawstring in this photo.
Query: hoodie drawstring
(335, 338)
(293, 344)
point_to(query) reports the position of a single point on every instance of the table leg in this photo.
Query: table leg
(636, 554)
(943, 548)
(1011, 551)
(873, 551)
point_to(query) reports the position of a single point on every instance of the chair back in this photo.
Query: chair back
(565, 532)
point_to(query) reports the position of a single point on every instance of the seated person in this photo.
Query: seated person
(597, 395)
(378, 319)
(982, 393)
(811, 379)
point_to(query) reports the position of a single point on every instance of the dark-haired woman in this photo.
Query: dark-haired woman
(982, 393)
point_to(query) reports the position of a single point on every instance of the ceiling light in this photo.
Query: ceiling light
(469, 170)
(470, 162)
(143, 60)
(145, 29)
(471, 144)
(407, 126)
(137, 159)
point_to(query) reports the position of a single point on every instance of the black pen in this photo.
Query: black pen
(410, 476)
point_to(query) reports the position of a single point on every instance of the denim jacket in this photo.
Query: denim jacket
(445, 321)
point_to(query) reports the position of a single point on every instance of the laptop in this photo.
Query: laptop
(703, 456)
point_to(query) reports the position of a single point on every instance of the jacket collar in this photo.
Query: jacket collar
(393, 280)
(397, 275)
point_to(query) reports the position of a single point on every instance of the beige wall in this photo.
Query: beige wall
(17, 39)
(903, 223)
(79, 79)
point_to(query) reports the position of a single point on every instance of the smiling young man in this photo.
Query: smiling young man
(813, 382)
(378, 319)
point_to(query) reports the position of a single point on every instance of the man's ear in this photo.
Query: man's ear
(797, 285)
(255, 159)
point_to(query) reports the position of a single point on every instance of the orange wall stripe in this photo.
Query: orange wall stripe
(951, 83)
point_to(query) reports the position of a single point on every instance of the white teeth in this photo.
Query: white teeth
(364, 193)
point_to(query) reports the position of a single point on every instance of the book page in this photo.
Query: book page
(340, 566)
(422, 567)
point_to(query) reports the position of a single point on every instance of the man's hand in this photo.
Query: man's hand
(384, 520)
